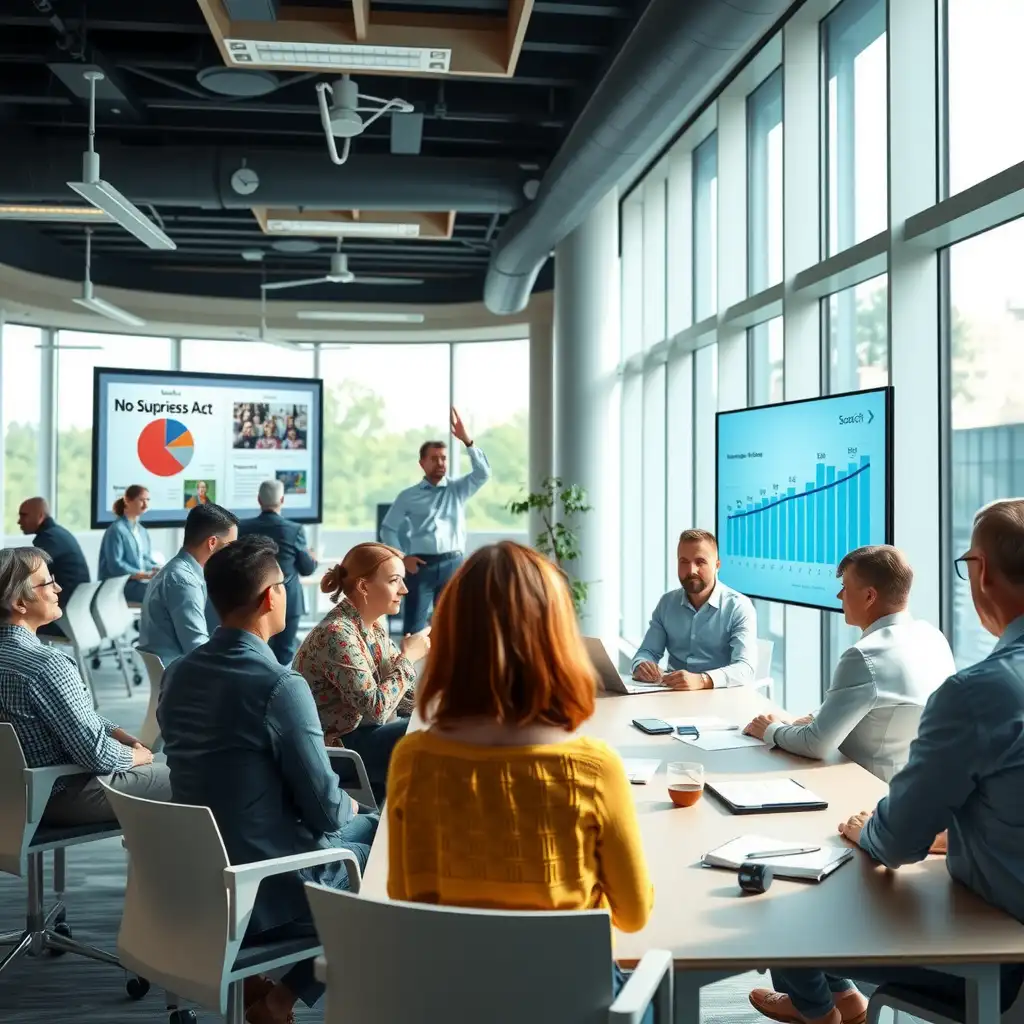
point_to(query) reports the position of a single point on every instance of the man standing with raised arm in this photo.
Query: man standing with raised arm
(434, 514)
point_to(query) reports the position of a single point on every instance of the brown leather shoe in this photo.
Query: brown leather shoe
(260, 1013)
(778, 1006)
(254, 989)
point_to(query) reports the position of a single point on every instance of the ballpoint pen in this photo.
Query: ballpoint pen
(795, 851)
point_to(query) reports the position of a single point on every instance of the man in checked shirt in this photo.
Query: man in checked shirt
(42, 695)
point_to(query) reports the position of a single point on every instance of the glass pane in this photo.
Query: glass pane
(652, 494)
(764, 184)
(771, 625)
(654, 263)
(633, 621)
(854, 41)
(840, 636)
(984, 70)
(705, 228)
(705, 396)
(767, 362)
(858, 331)
(987, 366)
(632, 272)
(19, 377)
(492, 393)
(249, 358)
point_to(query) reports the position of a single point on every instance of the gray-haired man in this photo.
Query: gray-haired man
(293, 555)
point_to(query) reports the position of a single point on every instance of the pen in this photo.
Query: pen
(795, 851)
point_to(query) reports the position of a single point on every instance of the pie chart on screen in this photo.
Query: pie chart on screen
(165, 447)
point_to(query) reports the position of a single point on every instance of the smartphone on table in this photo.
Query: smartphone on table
(653, 726)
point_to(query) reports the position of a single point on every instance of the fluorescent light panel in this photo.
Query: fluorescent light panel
(34, 211)
(375, 229)
(105, 197)
(378, 318)
(337, 56)
(97, 305)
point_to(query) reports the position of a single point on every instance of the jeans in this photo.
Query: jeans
(300, 979)
(811, 990)
(286, 643)
(425, 586)
(374, 743)
(135, 591)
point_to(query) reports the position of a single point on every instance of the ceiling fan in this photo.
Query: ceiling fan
(339, 274)
(342, 117)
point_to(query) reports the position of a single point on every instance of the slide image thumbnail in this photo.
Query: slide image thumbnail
(264, 425)
(165, 447)
(294, 480)
(200, 492)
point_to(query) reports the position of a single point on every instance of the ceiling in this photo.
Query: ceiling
(485, 139)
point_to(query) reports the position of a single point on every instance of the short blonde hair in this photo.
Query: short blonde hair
(999, 532)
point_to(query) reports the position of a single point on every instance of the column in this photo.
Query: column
(48, 419)
(587, 409)
(542, 409)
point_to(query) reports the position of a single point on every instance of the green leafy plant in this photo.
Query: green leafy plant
(558, 506)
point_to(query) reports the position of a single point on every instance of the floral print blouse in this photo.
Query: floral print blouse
(356, 673)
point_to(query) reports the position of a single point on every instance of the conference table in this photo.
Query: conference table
(863, 914)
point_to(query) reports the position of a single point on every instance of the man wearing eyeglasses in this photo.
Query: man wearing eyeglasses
(42, 695)
(960, 793)
(243, 737)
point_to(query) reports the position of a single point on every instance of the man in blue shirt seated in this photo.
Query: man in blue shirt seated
(242, 737)
(433, 512)
(960, 792)
(708, 629)
(173, 620)
(66, 559)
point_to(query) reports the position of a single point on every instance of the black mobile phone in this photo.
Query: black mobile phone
(653, 726)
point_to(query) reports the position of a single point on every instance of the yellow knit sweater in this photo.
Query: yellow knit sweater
(548, 827)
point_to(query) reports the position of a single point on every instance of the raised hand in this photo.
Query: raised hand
(459, 428)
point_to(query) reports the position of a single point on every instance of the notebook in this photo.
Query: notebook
(812, 867)
(763, 796)
(640, 770)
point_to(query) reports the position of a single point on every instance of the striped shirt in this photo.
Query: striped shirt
(42, 695)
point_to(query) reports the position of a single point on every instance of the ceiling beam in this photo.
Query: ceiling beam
(361, 18)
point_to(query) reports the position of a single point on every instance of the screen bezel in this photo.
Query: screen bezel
(154, 521)
(887, 390)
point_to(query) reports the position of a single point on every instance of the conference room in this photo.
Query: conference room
(779, 301)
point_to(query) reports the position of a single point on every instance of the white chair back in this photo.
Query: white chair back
(175, 928)
(78, 622)
(150, 731)
(765, 650)
(113, 616)
(547, 968)
(13, 802)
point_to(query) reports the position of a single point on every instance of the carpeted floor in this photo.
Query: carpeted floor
(74, 989)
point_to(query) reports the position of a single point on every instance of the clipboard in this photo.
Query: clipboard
(765, 796)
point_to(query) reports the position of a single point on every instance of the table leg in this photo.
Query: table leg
(983, 996)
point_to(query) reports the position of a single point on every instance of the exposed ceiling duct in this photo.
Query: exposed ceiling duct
(674, 55)
(203, 177)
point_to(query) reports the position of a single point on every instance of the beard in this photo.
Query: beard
(695, 585)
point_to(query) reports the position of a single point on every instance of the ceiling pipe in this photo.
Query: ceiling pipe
(675, 55)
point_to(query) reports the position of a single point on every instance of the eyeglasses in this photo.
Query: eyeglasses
(961, 561)
(51, 582)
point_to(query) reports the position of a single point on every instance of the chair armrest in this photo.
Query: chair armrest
(650, 982)
(343, 754)
(243, 880)
(39, 783)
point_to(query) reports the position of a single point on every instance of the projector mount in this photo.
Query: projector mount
(342, 117)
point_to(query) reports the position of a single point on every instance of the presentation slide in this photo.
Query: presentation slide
(798, 486)
(191, 438)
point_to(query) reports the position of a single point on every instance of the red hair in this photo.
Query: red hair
(505, 645)
(360, 563)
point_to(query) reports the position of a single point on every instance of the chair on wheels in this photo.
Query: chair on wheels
(149, 734)
(115, 622)
(924, 1006)
(503, 967)
(82, 635)
(24, 841)
(186, 908)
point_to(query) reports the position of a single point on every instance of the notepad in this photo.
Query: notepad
(763, 796)
(810, 866)
(719, 740)
(640, 770)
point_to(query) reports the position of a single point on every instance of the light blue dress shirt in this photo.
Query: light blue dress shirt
(719, 638)
(965, 774)
(173, 621)
(125, 550)
(436, 513)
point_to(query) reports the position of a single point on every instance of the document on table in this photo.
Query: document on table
(719, 740)
(707, 724)
(816, 864)
(640, 770)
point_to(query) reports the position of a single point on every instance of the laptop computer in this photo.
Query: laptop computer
(612, 680)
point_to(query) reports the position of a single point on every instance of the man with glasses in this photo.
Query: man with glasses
(42, 695)
(960, 793)
(242, 737)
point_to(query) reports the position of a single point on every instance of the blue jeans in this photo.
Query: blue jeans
(135, 591)
(811, 990)
(425, 586)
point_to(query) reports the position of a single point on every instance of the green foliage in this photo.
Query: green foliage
(558, 506)
(21, 453)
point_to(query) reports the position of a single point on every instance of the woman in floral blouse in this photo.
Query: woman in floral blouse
(358, 677)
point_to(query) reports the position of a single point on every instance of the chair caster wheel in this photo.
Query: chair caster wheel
(95, 663)
(136, 988)
(138, 679)
(182, 1017)
(61, 928)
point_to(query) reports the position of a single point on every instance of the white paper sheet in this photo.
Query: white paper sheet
(763, 792)
(640, 770)
(724, 740)
(707, 724)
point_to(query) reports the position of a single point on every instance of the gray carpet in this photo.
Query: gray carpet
(72, 988)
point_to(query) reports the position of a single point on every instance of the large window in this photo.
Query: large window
(19, 378)
(766, 362)
(632, 309)
(258, 358)
(858, 336)
(491, 390)
(632, 454)
(854, 43)
(705, 228)
(985, 80)
(764, 184)
(655, 552)
(987, 416)
(78, 354)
